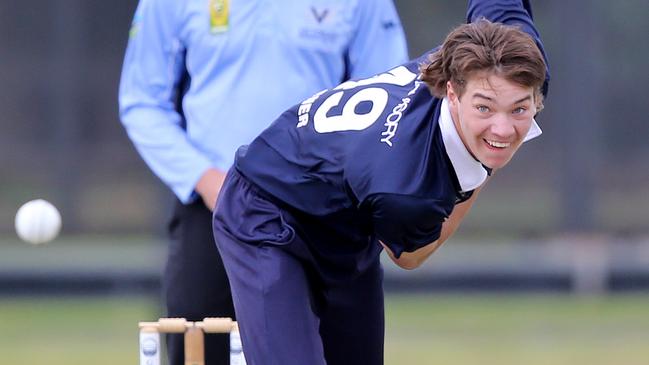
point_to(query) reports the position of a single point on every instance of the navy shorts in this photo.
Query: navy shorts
(287, 313)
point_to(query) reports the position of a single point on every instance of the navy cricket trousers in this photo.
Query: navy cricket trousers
(287, 314)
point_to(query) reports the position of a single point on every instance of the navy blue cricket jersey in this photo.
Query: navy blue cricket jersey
(371, 159)
(369, 151)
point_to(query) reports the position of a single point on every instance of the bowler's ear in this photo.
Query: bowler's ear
(450, 94)
(538, 102)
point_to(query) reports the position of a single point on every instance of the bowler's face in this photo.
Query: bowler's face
(492, 117)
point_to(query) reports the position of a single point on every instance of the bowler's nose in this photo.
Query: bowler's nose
(502, 126)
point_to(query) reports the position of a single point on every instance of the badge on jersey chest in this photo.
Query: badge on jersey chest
(219, 15)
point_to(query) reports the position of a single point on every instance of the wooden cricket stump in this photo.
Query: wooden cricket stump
(194, 333)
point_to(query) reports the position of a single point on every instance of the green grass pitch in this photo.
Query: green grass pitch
(421, 329)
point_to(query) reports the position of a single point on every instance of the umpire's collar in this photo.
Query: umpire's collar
(470, 172)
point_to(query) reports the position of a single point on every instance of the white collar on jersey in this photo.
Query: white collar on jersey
(470, 172)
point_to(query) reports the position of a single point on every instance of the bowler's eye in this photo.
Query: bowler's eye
(482, 109)
(520, 110)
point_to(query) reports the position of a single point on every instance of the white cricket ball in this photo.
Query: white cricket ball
(38, 221)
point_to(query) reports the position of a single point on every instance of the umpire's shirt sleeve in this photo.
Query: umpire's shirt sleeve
(153, 66)
(379, 42)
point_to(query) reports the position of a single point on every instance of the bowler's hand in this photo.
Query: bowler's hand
(209, 185)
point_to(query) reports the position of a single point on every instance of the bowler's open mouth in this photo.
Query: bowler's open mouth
(496, 144)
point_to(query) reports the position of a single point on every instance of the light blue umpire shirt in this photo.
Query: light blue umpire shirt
(247, 61)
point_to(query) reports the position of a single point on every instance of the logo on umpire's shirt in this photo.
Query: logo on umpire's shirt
(219, 16)
(319, 15)
(322, 26)
(388, 24)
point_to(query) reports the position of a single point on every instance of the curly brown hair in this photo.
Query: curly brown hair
(485, 46)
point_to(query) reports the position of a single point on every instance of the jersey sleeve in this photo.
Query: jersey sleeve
(405, 223)
(152, 69)
(379, 42)
(510, 12)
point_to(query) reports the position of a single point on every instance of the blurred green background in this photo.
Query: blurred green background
(62, 139)
(551, 267)
(421, 329)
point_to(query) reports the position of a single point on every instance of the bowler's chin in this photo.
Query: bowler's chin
(495, 163)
